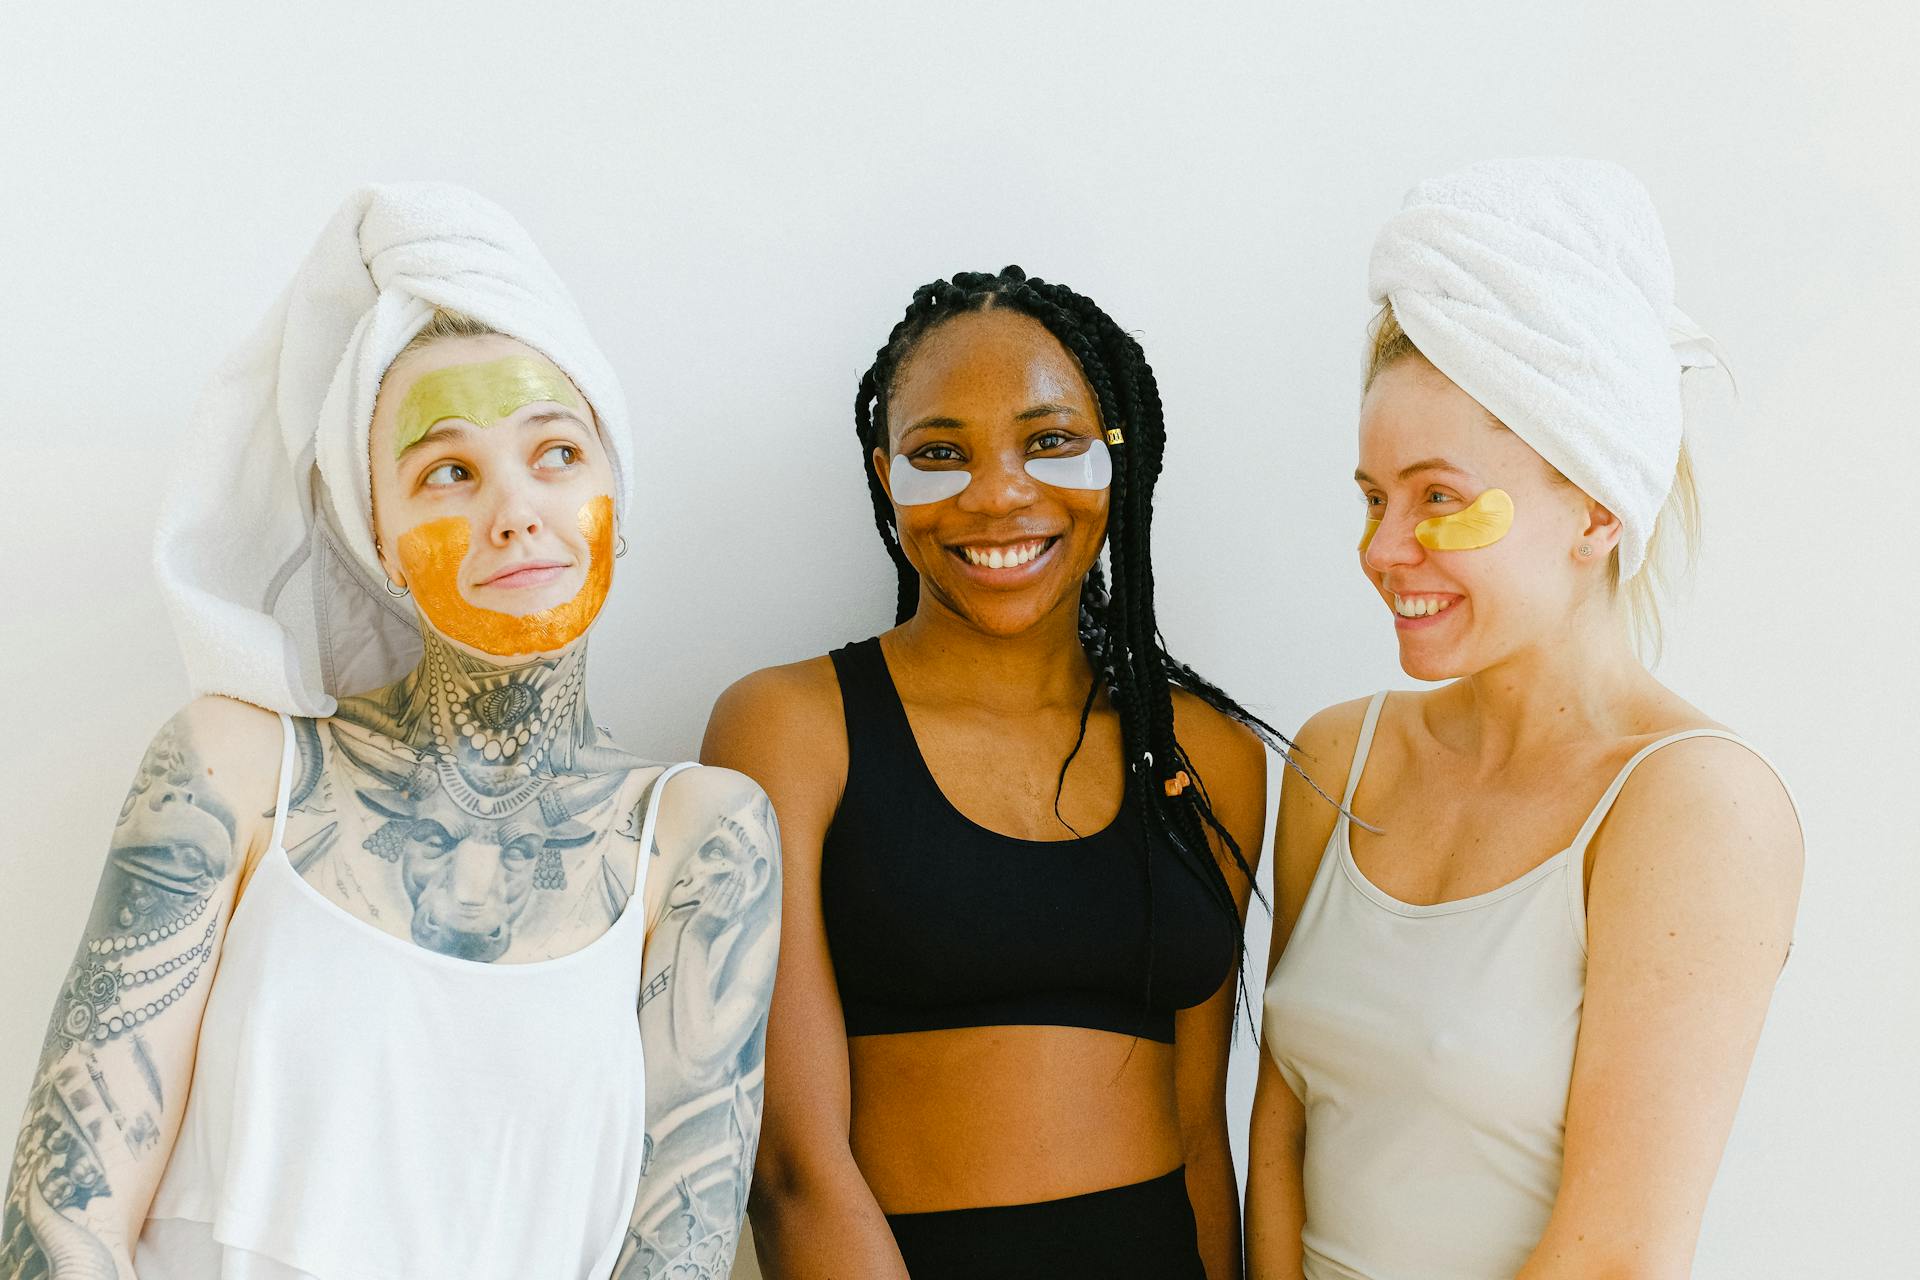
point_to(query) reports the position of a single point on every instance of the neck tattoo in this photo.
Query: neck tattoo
(493, 770)
(495, 729)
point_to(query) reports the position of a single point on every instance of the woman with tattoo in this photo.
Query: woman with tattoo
(436, 981)
(1019, 837)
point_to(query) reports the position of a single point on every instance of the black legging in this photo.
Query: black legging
(1140, 1232)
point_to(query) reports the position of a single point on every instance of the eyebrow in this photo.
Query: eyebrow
(451, 428)
(445, 429)
(1048, 410)
(1414, 469)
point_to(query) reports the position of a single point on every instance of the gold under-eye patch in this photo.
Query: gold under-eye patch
(1366, 537)
(432, 554)
(482, 394)
(1482, 524)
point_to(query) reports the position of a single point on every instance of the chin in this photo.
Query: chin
(1433, 666)
(1002, 618)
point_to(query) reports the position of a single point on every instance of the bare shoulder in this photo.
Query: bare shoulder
(1310, 789)
(698, 800)
(1323, 749)
(783, 728)
(237, 746)
(1212, 737)
(1704, 806)
(795, 698)
(1229, 753)
(712, 822)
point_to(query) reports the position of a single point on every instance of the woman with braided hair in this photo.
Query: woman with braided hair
(1019, 839)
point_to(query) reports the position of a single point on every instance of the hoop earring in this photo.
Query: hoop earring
(398, 594)
(1586, 549)
(620, 548)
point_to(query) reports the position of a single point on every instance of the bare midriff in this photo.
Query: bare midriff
(979, 1116)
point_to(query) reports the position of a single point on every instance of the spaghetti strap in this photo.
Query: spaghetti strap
(1605, 805)
(285, 792)
(1360, 749)
(659, 789)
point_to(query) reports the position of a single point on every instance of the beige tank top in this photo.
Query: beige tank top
(1432, 1048)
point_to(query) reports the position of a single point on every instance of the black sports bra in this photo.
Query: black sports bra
(935, 922)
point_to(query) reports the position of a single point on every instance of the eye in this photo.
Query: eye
(1440, 495)
(431, 834)
(938, 453)
(1372, 500)
(447, 473)
(1047, 440)
(558, 456)
(519, 853)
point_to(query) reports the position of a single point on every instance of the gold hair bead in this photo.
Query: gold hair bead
(1114, 436)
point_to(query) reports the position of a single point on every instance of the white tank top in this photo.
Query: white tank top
(1432, 1049)
(366, 1109)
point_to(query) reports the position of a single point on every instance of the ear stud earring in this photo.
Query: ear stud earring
(1586, 549)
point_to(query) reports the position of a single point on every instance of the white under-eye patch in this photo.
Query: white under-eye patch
(1092, 469)
(913, 487)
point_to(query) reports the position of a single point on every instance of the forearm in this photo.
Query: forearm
(52, 1226)
(1276, 1182)
(1583, 1260)
(822, 1224)
(1215, 1194)
(1276, 1215)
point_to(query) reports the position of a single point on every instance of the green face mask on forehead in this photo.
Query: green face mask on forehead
(482, 394)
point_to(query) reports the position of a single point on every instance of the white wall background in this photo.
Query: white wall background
(743, 198)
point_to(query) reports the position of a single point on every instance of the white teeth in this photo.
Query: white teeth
(1419, 606)
(1004, 557)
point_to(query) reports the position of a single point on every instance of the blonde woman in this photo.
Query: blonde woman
(1509, 1017)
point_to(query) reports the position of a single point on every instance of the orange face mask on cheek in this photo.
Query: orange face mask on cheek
(432, 554)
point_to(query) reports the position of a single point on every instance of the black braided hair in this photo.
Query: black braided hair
(1117, 626)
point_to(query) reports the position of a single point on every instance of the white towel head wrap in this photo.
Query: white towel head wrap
(265, 546)
(1543, 289)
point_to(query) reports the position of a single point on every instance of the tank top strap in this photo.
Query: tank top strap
(878, 731)
(631, 920)
(1361, 748)
(1612, 793)
(284, 792)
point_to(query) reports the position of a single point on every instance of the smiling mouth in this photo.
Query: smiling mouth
(535, 574)
(1420, 606)
(1012, 555)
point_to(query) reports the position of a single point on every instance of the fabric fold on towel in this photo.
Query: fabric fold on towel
(1544, 289)
(265, 548)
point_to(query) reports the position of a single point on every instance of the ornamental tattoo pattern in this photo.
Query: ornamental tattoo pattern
(94, 1108)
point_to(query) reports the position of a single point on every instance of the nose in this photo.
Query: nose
(515, 518)
(1393, 545)
(475, 874)
(1000, 486)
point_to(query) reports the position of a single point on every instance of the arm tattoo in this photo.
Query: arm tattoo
(708, 979)
(94, 1111)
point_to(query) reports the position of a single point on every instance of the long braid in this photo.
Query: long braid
(1117, 626)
